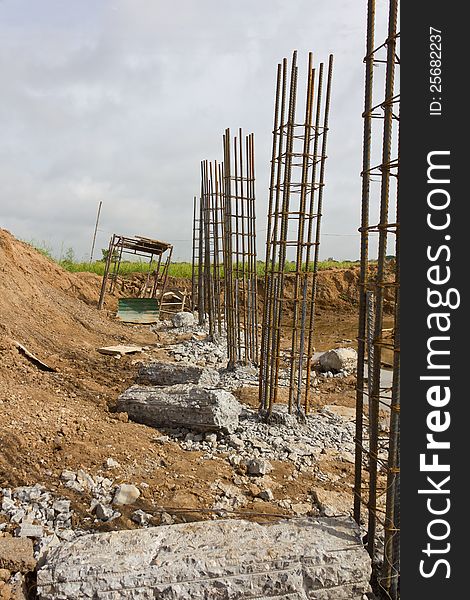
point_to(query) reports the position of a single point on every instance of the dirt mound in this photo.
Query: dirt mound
(45, 308)
(338, 287)
(51, 421)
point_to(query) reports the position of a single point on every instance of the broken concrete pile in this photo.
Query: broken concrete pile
(164, 374)
(183, 319)
(184, 405)
(182, 396)
(34, 512)
(205, 353)
(339, 361)
(181, 322)
(297, 559)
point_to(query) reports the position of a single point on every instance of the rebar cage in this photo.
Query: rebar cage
(240, 276)
(211, 247)
(379, 302)
(195, 255)
(293, 232)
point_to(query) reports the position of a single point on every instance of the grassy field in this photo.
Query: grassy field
(180, 269)
(177, 269)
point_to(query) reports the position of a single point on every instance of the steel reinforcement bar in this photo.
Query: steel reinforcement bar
(240, 276)
(293, 234)
(379, 300)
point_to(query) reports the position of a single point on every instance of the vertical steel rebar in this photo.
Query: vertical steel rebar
(195, 256)
(211, 244)
(364, 258)
(318, 213)
(240, 250)
(386, 278)
(201, 265)
(382, 250)
(281, 82)
(291, 214)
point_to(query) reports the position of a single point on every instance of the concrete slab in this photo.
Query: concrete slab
(302, 559)
(186, 405)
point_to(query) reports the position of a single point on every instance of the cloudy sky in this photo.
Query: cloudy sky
(119, 100)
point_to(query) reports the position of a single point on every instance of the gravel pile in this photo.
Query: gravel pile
(285, 438)
(36, 512)
(205, 353)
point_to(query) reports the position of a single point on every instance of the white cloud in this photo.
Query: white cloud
(120, 100)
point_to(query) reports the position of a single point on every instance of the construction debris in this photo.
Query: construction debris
(34, 359)
(120, 350)
(164, 374)
(126, 494)
(301, 559)
(159, 255)
(184, 405)
(339, 360)
(183, 319)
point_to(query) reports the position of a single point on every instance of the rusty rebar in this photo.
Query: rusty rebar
(211, 246)
(384, 288)
(361, 342)
(296, 188)
(195, 256)
(240, 275)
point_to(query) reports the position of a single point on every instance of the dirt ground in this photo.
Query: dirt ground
(51, 421)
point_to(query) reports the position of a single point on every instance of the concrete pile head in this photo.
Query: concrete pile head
(299, 559)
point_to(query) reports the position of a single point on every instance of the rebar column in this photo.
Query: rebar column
(380, 280)
(211, 244)
(293, 235)
(195, 256)
(240, 275)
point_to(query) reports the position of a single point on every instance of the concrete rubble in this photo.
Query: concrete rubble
(184, 405)
(298, 559)
(191, 402)
(164, 374)
(339, 360)
(36, 511)
(126, 494)
(258, 466)
(183, 319)
(201, 352)
(298, 441)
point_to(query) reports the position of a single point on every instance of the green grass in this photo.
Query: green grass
(176, 269)
(180, 269)
(184, 269)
